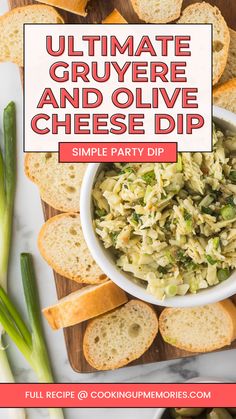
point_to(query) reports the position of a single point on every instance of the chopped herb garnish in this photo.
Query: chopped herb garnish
(136, 217)
(230, 200)
(127, 170)
(215, 194)
(141, 202)
(162, 269)
(187, 216)
(207, 210)
(184, 259)
(149, 177)
(114, 236)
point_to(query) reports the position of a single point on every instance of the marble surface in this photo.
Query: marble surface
(28, 220)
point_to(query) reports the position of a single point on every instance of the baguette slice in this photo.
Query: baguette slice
(205, 13)
(84, 304)
(157, 11)
(117, 338)
(11, 29)
(225, 95)
(199, 329)
(74, 6)
(230, 69)
(59, 183)
(114, 17)
(62, 245)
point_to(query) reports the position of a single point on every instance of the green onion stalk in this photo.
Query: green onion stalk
(30, 341)
(7, 195)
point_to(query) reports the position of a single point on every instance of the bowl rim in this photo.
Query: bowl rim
(100, 254)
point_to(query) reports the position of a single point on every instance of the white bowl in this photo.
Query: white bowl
(104, 257)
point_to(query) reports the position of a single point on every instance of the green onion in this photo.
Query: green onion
(179, 164)
(228, 212)
(149, 177)
(30, 342)
(206, 201)
(210, 260)
(7, 188)
(170, 257)
(223, 274)
(7, 195)
(171, 290)
(216, 242)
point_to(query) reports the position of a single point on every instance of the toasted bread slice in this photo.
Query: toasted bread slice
(205, 13)
(59, 183)
(114, 17)
(157, 11)
(11, 29)
(62, 245)
(74, 6)
(84, 304)
(121, 336)
(199, 329)
(230, 69)
(224, 95)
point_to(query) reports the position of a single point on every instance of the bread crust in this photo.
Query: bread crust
(4, 19)
(114, 17)
(226, 87)
(52, 203)
(26, 167)
(230, 69)
(230, 312)
(209, 7)
(136, 354)
(62, 272)
(98, 300)
(73, 6)
(53, 200)
(171, 18)
(230, 307)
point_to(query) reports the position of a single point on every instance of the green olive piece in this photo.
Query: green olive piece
(189, 411)
(228, 212)
(222, 275)
(219, 413)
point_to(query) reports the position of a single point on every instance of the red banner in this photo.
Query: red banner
(117, 395)
(117, 152)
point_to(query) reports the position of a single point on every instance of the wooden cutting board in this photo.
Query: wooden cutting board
(160, 351)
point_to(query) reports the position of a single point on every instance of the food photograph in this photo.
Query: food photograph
(118, 272)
